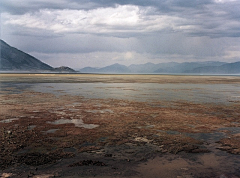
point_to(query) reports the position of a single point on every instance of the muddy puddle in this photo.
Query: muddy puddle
(119, 126)
(76, 122)
(9, 120)
(206, 137)
(51, 131)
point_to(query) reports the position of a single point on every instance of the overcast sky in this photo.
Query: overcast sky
(96, 33)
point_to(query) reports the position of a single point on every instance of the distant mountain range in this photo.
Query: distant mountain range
(115, 68)
(15, 60)
(229, 68)
(210, 67)
(12, 59)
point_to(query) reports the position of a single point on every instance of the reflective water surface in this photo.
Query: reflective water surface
(198, 93)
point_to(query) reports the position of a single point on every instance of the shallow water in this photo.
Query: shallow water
(76, 122)
(202, 93)
(146, 92)
(51, 131)
(207, 137)
(9, 120)
(232, 130)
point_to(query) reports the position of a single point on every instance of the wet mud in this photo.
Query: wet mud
(46, 134)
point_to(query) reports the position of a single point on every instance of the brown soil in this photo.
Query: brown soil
(231, 144)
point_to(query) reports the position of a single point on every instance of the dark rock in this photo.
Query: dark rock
(87, 163)
(108, 155)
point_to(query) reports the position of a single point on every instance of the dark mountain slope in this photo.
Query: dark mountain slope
(14, 59)
(64, 69)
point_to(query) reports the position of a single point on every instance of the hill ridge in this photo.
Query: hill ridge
(208, 67)
(13, 59)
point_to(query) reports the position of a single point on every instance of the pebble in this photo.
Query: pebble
(7, 175)
(44, 176)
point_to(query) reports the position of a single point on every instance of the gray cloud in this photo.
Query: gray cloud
(157, 30)
(25, 6)
(16, 7)
(204, 17)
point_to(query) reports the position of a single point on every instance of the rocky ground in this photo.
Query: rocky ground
(47, 135)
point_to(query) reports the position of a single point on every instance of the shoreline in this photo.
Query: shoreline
(118, 78)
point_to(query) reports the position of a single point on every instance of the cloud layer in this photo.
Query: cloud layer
(164, 30)
(111, 21)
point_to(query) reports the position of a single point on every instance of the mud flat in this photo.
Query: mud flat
(119, 126)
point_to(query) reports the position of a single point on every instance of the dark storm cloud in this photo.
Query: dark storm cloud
(163, 5)
(23, 6)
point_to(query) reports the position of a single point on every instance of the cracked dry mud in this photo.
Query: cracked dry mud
(44, 134)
